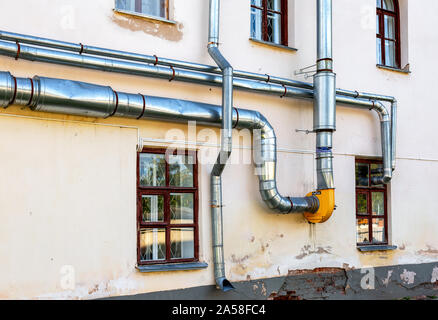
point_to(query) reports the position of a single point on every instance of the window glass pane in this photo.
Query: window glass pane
(389, 27)
(152, 170)
(379, 3)
(390, 53)
(256, 24)
(153, 208)
(388, 5)
(152, 244)
(274, 5)
(274, 27)
(181, 208)
(379, 51)
(181, 170)
(182, 243)
(362, 175)
(128, 5)
(257, 3)
(154, 7)
(378, 203)
(377, 24)
(362, 230)
(379, 230)
(376, 172)
(362, 206)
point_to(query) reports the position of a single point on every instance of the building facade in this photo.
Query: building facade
(95, 206)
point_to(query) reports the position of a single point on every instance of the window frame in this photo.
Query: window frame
(369, 216)
(283, 25)
(380, 34)
(137, 10)
(166, 191)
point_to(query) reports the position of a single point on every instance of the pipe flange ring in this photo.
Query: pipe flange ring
(173, 74)
(18, 50)
(285, 91)
(144, 107)
(237, 120)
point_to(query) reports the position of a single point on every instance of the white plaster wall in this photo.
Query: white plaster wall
(67, 189)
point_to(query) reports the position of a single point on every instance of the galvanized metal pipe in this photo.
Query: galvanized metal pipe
(324, 111)
(86, 99)
(149, 59)
(225, 150)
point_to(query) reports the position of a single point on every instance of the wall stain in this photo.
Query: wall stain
(429, 251)
(171, 32)
(307, 250)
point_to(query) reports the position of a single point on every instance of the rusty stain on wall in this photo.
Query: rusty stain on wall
(163, 30)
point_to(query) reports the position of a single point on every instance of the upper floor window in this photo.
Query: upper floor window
(156, 8)
(388, 33)
(371, 209)
(269, 21)
(167, 204)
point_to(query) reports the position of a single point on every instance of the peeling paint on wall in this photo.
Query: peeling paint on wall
(434, 275)
(408, 277)
(155, 28)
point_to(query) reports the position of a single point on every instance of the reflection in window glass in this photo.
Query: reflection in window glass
(362, 230)
(390, 53)
(181, 171)
(151, 7)
(153, 244)
(362, 206)
(379, 230)
(362, 178)
(181, 208)
(152, 170)
(256, 23)
(376, 172)
(153, 208)
(388, 5)
(378, 203)
(182, 243)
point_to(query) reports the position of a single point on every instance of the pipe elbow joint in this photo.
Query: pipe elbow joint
(223, 284)
(326, 207)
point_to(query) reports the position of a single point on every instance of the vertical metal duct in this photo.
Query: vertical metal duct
(324, 111)
(226, 147)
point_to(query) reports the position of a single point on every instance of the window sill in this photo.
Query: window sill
(144, 15)
(372, 248)
(172, 267)
(270, 44)
(405, 71)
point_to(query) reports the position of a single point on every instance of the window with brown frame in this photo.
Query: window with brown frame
(371, 204)
(388, 33)
(269, 21)
(157, 8)
(167, 206)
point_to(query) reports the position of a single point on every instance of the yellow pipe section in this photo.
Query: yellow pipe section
(326, 206)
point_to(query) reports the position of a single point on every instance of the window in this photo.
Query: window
(269, 21)
(388, 33)
(156, 8)
(371, 211)
(167, 205)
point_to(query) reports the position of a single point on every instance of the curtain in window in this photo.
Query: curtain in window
(151, 7)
